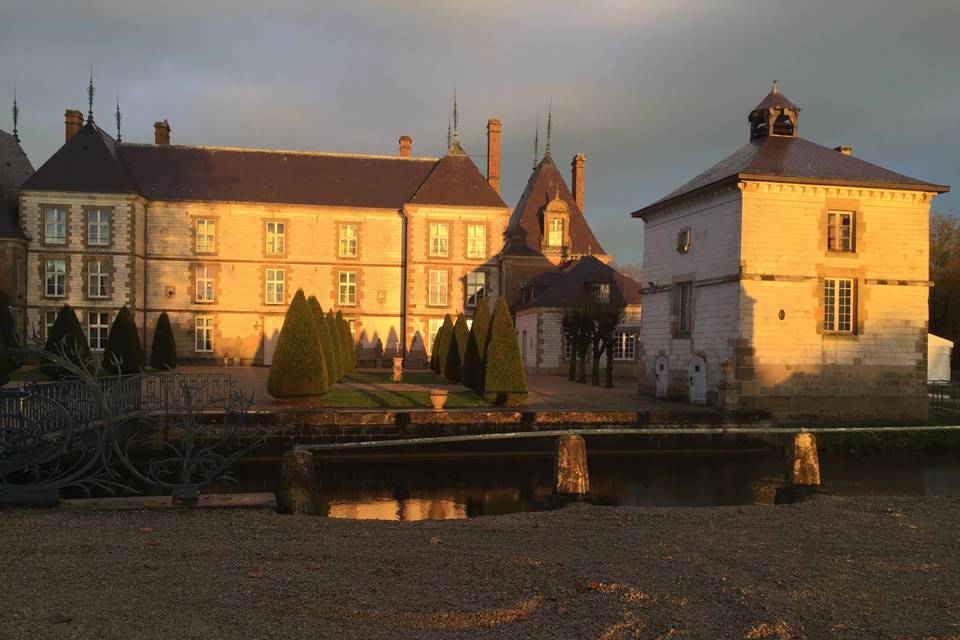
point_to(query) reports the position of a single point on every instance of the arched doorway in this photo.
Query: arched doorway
(661, 371)
(697, 371)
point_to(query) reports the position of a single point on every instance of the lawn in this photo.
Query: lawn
(383, 376)
(340, 397)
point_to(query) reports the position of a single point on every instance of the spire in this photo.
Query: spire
(454, 148)
(119, 118)
(449, 132)
(16, 114)
(536, 144)
(774, 88)
(90, 92)
(546, 152)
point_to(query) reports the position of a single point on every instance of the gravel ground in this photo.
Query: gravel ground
(832, 568)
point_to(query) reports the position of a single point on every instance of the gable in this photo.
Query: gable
(456, 181)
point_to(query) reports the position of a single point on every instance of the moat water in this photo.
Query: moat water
(463, 487)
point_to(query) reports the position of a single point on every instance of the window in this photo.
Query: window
(439, 240)
(348, 287)
(600, 291)
(204, 284)
(439, 289)
(56, 278)
(97, 279)
(476, 287)
(555, 233)
(476, 241)
(276, 237)
(98, 227)
(838, 305)
(684, 308)
(623, 345)
(49, 317)
(203, 332)
(683, 241)
(206, 235)
(98, 328)
(55, 226)
(567, 348)
(433, 327)
(839, 231)
(275, 291)
(348, 241)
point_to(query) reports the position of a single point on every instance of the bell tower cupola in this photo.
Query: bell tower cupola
(774, 116)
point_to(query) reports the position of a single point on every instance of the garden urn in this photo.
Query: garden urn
(438, 398)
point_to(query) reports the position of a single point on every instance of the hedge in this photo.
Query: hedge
(444, 339)
(472, 371)
(458, 347)
(66, 336)
(9, 340)
(123, 353)
(326, 344)
(349, 348)
(504, 381)
(298, 368)
(336, 344)
(163, 349)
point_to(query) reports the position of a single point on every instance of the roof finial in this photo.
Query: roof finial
(546, 152)
(90, 92)
(456, 115)
(536, 144)
(16, 114)
(449, 132)
(119, 118)
(454, 148)
(774, 89)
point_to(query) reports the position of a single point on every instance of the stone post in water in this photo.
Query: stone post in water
(398, 369)
(298, 484)
(803, 470)
(570, 467)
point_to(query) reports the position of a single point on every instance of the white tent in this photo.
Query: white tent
(938, 358)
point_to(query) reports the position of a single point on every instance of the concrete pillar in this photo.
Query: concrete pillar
(803, 468)
(571, 477)
(298, 484)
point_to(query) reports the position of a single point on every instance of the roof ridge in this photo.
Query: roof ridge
(331, 154)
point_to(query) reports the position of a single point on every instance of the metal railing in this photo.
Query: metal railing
(944, 396)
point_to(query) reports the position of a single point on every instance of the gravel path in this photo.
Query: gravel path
(833, 568)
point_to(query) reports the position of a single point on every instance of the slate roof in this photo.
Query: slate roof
(775, 99)
(15, 167)
(567, 282)
(93, 162)
(792, 159)
(523, 232)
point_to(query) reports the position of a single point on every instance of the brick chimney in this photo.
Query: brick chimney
(405, 143)
(74, 121)
(577, 178)
(161, 132)
(493, 153)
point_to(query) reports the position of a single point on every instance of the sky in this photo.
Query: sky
(652, 92)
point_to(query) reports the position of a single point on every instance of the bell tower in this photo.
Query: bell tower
(774, 116)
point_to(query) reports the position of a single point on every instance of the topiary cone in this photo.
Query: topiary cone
(326, 344)
(504, 380)
(472, 369)
(163, 349)
(298, 368)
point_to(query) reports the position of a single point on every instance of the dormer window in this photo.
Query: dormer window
(555, 233)
(555, 218)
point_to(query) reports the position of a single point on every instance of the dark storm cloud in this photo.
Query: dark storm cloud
(651, 92)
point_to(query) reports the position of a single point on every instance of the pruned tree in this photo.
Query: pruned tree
(298, 368)
(476, 343)
(163, 348)
(123, 353)
(66, 338)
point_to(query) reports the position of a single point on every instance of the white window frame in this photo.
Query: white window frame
(841, 237)
(439, 240)
(475, 291)
(347, 290)
(438, 292)
(276, 280)
(205, 289)
(206, 235)
(98, 227)
(839, 306)
(476, 241)
(98, 330)
(57, 276)
(203, 333)
(276, 236)
(98, 283)
(58, 225)
(347, 241)
(555, 232)
(624, 345)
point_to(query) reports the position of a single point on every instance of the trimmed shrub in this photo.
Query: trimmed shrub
(336, 343)
(163, 349)
(8, 340)
(472, 369)
(444, 339)
(504, 381)
(326, 345)
(298, 368)
(66, 337)
(435, 351)
(349, 348)
(458, 347)
(123, 345)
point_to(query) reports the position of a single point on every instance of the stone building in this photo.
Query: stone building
(547, 297)
(15, 167)
(221, 238)
(789, 277)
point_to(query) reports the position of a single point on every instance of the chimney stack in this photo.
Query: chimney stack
(845, 150)
(577, 175)
(74, 121)
(493, 153)
(405, 144)
(161, 132)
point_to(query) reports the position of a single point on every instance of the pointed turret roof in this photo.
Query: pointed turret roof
(523, 233)
(15, 168)
(775, 99)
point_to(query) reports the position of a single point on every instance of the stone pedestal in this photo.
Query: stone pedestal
(803, 471)
(298, 491)
(571, 477)
(727, 397)
(397, 370)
